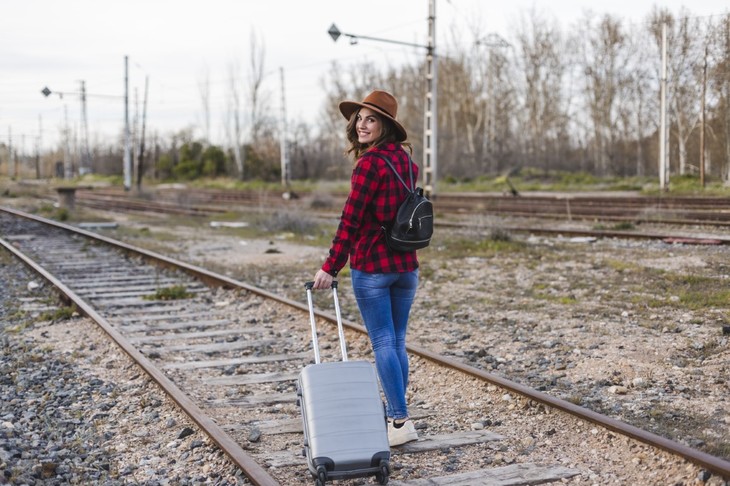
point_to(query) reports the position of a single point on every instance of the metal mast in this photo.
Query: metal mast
(127, 169)
(285, 165)
(85, 153)
(663, 165)
(430, 125)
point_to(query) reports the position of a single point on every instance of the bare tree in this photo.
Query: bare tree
(720, 85)
(543, 115)
(234, 116)
(258, 102)
(640, 103)
(603, 55)
(204, 90)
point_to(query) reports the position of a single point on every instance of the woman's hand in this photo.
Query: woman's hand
(322, 280)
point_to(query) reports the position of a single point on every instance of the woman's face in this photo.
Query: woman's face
(368, 126)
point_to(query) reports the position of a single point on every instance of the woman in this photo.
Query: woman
(384, 281)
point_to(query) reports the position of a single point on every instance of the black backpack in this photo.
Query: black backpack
(412, 227)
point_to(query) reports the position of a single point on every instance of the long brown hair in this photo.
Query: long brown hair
(387, 134)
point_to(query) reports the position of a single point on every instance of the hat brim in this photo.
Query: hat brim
(347, 108)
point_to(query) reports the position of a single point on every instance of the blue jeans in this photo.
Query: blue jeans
(385, 301)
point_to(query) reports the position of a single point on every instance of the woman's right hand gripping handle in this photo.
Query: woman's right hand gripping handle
(322, 280)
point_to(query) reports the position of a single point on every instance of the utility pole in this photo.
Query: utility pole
(430, 114)
(284, 147)
(10, 150)
(18, 167)
(127, 161)
(39, 140)
(85, 166)
(67, 164)
(702, 121)
(663, 165)
(140, 157)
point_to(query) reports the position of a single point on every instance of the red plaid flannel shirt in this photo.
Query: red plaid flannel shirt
(375, 195)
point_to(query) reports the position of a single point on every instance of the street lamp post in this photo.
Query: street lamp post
(86, 165)
(430, 128)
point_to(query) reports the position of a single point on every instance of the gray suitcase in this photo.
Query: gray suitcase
(345, 427)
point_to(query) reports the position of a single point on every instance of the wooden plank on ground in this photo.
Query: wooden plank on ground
(131, 298)
(176, 325)
(121, 305)
(160, 308)
(283, 459)
(175, 336)
(270, 427)
(253, 400)
(125, 280)
(251, 379)
(441, 441)
(147, 287)
(512, 475)
(192, 365)
(205, 314)
(222, 347)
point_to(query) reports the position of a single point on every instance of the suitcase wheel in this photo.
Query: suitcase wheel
(321, 476)
(384, 474)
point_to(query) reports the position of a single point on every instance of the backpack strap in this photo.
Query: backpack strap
(410, 171)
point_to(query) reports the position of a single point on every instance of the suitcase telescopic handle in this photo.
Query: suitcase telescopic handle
(313, 322)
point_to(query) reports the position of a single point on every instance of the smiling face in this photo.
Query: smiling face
(369, 126)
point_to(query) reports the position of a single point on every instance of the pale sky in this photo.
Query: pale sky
(58, 43)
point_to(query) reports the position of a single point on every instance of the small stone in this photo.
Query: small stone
(527, 442)
(48, 470)
(704, 476)
(254, 434)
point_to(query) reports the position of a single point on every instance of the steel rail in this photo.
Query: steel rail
(715, 464)
(717, 240)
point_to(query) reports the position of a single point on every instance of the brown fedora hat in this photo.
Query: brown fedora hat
(381, 102)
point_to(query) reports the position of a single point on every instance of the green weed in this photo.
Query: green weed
(176, 292)
(60, 314)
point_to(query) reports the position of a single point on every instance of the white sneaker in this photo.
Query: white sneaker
(401, 435)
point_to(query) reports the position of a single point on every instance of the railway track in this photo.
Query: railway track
(228, 354)
(711, 211)
(610, 208)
